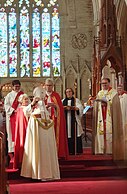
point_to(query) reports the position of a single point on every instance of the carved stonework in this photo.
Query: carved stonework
(78, 69)
(71, 13)
(79, 41)
(107, 47)
(70, 69)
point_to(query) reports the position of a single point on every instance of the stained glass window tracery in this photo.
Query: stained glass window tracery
(29, 38)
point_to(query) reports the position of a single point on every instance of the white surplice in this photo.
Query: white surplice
(9, 99)
(123, 103)
(112, 127)
(77, 116)
(40, 160)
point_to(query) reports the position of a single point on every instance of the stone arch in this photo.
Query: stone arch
(85, 82)
(109, 72)
(71, 76)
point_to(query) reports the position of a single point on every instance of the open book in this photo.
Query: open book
(103, 100)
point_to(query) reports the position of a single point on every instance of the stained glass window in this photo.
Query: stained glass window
(29, 38)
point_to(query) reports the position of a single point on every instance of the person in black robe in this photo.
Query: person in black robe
(73, 110)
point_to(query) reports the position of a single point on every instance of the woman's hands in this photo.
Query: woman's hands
(35, 101)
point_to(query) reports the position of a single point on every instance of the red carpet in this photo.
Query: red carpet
(81, 174)
(70, 186)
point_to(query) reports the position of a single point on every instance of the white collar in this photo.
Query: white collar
(48, 93)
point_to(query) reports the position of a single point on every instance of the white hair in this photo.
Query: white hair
(49, 80)
(20, 99)
(39, 92)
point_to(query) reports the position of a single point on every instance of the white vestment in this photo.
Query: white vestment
(123, 103)
(40, 160)
(9, 99)
(113, 130)
(77, 116)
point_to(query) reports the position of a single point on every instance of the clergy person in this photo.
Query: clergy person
(107, 128)
(22, 117)
(73, 113)
(123, 102)
(40, 159)
(56, 112)
(11, 104)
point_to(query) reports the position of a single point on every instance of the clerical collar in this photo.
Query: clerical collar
(71, 98)
(48, 93)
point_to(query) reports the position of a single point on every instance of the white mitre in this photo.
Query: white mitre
(39, 92)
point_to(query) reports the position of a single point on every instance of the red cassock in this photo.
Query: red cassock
(13, 116)
(59, 125)
(20, 134)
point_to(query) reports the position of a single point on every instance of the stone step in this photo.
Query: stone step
(85, 165)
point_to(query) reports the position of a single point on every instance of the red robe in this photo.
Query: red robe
(13, 116)
(59, 125)
(20, 134)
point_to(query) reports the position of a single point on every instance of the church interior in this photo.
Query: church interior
(76, 43)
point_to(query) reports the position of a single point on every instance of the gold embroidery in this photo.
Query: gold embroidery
(44, 123)
(101, 132)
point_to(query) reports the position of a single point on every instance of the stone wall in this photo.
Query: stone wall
(76, 22)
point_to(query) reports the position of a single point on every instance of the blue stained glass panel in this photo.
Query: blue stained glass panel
(36, 44)
(24, 41)
(12, 45)
(24, 44)
(46, 44)
(3, 45)
(55, 43)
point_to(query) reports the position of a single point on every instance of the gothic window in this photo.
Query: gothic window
(29, 38)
